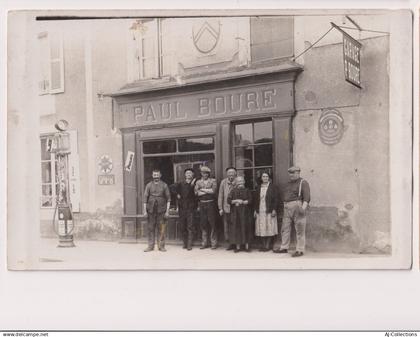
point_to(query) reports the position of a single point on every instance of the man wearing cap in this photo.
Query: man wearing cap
(157, 200)
(226, 186)
(205, 190)
(186, 206)
(296, 198)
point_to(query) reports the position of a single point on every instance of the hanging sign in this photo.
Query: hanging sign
(351, 58)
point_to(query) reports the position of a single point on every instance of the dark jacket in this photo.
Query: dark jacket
(188, 201)
(271, 198)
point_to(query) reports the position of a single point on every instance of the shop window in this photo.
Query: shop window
(150, 48)
(159, 146)
(253, 150)
(196, 144)
(51, 64)
(271, 38)
(187, 153)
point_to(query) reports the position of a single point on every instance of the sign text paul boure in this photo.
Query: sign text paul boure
(351, 51)
(206, 106)
(210, 105)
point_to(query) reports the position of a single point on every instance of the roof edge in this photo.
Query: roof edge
(180, 82)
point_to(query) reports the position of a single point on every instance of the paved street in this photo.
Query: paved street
(113, 255)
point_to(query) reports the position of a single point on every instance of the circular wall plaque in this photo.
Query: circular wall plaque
(331, 127)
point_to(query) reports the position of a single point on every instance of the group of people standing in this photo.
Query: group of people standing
(245, 213)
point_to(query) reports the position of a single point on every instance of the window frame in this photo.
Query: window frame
(161, 54)
(155, 56)
(158, 55)
(253, 168)
(143, 157)
(60, 61)
(53, 183)
(45, 79)
(177, 152)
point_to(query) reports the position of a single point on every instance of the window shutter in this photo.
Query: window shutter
(44, 60)
(133, 55)
(166, 47)
(149, 66)
(56, 64)
(74, 174)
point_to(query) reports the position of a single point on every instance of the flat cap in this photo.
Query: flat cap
(205, 169)
(293, 169)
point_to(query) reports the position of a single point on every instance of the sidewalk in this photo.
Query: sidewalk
(100, 255)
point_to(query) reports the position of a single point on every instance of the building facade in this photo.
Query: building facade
(247, 92)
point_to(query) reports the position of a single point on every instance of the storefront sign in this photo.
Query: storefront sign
(202, 106)
(106, 179)
(351, 55)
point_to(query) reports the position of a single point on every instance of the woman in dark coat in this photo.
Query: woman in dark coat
(265, 212)
(241, 226)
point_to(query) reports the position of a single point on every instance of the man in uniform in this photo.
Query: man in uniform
(296, 200)
(205, 190)
(186, 206)
(226, 186)
(157, 200)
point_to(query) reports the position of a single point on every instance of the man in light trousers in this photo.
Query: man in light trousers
(296, 200)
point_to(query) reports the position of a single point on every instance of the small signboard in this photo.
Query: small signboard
(106, 179)
(129, 159)
(351, 56)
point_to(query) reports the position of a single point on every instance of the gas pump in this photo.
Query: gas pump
(63, 222)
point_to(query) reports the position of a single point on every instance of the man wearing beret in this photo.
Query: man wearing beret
(296, 200)
(205, 190)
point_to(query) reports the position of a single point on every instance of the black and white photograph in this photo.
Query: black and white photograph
(227, 140)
